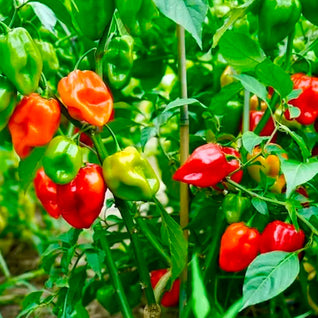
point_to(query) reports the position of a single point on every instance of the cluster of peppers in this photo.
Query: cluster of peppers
(240, 244)
(64, 182)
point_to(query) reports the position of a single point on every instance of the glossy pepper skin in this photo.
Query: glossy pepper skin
(309, 10)
(92, 16)
(86, 97)
(62, 160)
(171, 297)
(233, 206)
(118, 61)
(33, 123)
(208, 165)
(277, 19)
(8, 100)
(307, 101)
(22, 62)
(281, 236)
(46, 190)
(78, 202)
(51, 64)
(239, 246)
(233, 163)
(129, 176)
(269, 165)
(255, 117)
(81, 200)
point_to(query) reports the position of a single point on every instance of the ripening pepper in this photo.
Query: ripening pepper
(78, 202)
(269, 165)
(281, 236)
(239, 246)
(33, 123)
(45, 190)
(51, 64)
(81, 200)
(86, 97)
(277, 19)
(118, 61)
(233, 206)
(8, 100)
(169, 298)
(309, 10)
(129, 176)
(92, 16)
(21, 60)
(62, 160)
(307, 101)
(208, 165)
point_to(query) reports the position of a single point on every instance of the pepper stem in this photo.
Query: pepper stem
(100, 148)
(4, 27)
(126, 209)
(114, 138)
(125, 308)
(83, 56)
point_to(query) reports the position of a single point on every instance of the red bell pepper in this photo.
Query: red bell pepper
(307, 101)
(208, 165)
(78, 202)
(281, 236)
(255, 117)
(239, 246)
(171, 297)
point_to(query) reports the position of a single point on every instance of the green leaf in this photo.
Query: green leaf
(95, 260)
(250, 140)
(201, 305)
(251, 84)
(272, 75)
(268, 276)
(59, 10)
(146, 134)
(294, 94)
(294, 112)
(234, 309)
(297, 173)
(177, 244)
(235, 14)
(188, 13)
(30, 303)
(29, 166)
(221, 98)
(260, 206)
(241, 52)
(180, 102)
(45, 15)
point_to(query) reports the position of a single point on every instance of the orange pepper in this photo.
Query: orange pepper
(33, 123)
(86, 97)
(270, 166)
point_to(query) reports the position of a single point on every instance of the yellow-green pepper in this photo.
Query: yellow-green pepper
(130, 176)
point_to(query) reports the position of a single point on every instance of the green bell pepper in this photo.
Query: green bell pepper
(233, 206)
(92, 16)
(62, 160)
(21, 59)
(51, 63)
(130, 176)
(8, 101)
(118, 61)
(310, 10)
(277, 19)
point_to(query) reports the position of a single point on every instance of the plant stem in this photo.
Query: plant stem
(125, 308)
(253, 194)
(246, 111)
(100, 148)
(4, 267)
(152, 239)
(184, 150)
(125, 209)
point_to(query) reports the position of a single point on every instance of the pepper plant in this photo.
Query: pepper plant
(159, 156)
